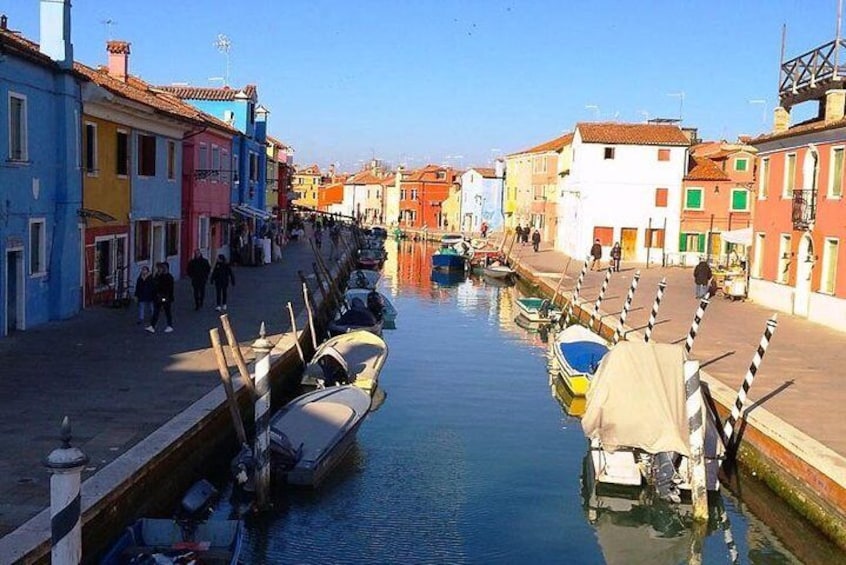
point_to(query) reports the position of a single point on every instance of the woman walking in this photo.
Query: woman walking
(145, 292)
(221, 277)
(164, 298)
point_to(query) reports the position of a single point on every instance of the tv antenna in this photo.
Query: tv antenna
(680, 96)
(223, 45)
(108, 23)
(595, 109)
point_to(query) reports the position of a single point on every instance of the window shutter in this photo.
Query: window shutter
(682, 242)
(701, 242)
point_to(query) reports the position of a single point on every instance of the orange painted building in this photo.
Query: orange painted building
(422, 195)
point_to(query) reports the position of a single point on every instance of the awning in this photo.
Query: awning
(251, 212)
(96, 214)
(740, 237)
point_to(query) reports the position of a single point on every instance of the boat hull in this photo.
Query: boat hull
(577, 351)
(448, 262)
(532, 310)
(498, 272)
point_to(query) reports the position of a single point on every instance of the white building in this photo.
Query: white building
(481, 198)
(624, 185)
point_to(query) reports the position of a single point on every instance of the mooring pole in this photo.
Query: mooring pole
(728, 429)
(618, 333)
(575, 297)
(696, 425)
(599, 298)
(558, 286)
(226, 379)
(236, 354)
(319, 278)
(654, 314)
(66, 464)
(310, 317)
(294, 330)
(697, 319)
(728, 538)
(262, 348)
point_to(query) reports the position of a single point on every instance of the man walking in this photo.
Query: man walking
(198, 272)
(596, 253)
(702, 277)
(164, 298)
(536, 238)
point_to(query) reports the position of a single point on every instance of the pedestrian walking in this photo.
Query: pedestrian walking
(198, 272)
(616, 255)
(145, 292)
(164, 298)
(526, 232)
(596, 253)
(318, 237)
(536, 239)
(484, 230)
(702, 277)
(221, 277)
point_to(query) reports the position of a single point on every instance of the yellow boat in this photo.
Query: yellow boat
(572, 405)
(577, 352)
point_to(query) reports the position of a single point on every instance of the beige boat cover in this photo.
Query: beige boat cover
(637, 399)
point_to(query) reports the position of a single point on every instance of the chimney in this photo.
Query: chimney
(499, 166)
(55, 40)
(118, 59)
(781, 119)
(4, 22)
(835, 105)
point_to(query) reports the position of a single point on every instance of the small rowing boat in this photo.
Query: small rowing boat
(578, 352)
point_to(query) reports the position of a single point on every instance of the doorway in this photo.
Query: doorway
(804, 270)
(628, 243)
(15, 298)
(158, 244)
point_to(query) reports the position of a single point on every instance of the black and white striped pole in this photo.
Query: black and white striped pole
(575, 297)
(653, 316)
(599, 298)
(728, 429)
(696, 426)
(66, 464)
(618, 333)
(697, 319)
(728, 537)
(261, 348)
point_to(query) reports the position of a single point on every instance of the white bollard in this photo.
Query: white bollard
(66, 464)
(696, 425)
(262, 348)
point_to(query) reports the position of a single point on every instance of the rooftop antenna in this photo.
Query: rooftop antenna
(595, 109)
(224, 45)
(680, 95)
(108, 23)
(781, 60)
(645, 115)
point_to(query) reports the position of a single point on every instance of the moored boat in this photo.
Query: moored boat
(313, 432)
(498, 271)
(353, 358)
(376, 302)
(537, 310)
(363, 278)
(450, 239)
(577, 352)
(369, 259)
(448, 259)
(357, 317)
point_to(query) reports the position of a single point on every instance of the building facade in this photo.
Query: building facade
(422, 193)
(306, 182)
(482, 198)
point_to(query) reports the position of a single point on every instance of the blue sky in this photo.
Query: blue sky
(459, 81)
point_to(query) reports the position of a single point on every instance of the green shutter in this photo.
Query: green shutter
(701, 243)
(739, 200)
(682, 242)
(740, 165)
(693, 198)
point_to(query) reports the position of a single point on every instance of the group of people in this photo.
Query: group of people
(596, 256)
(523, 236)
(154, 291)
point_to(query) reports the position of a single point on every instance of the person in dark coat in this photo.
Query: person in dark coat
(596, 253)
(526, 231)
(221, 277)
(536, 238)
(198, 272)
(145, 292)
(702, 277)
(163, 299)
(616, 255)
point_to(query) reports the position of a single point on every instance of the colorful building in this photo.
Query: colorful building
(481, 198)
(422, 194)
(40, 223)
(306, 182)
(798, 229)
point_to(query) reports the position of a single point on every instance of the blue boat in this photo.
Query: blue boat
(448, 261)
(447, 278)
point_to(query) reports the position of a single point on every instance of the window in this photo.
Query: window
(146, 155)
(402, 194)
(203, 234)
(17, 128)
(172, 238)
(661, 197)
(37, 247)
(654, 238)
(663, 154)
(224, 158)
(103, 267)
(414, 194)
(758, 260)
(203, 157)
(835, 178)
(236, 169)
(829, 270)
(171, 160)
(142, 240)
(789, 176)
(741, 164)
(253, 167)
(764, 181)
(693, 199)
(604, 234)
(739, 200)
(609, 153)
(441, 175)
(122, 150)
(90, 149)
(693, 242)
(539, 164)
(783, 258)
(215, 161)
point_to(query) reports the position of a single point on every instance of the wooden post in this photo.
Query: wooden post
(237, 355)
(310, 316)
(696, 425)
(319, 278)
(558, 287)
(294, 329)
(223, 369)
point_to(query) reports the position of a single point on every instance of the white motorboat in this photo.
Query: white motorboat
(352, 358)
(577, 352)
(498, 271)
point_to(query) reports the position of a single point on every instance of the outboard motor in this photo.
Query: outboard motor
(285, 456)
(243, 468)
(375, 304)
(543, 311)
(334, 373)
(665, 478)
(361, 280)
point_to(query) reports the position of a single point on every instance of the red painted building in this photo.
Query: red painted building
(422, 195)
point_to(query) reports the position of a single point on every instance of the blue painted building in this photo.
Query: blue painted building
(40, 174)
(481, 198)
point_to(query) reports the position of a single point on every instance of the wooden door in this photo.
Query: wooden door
(628, 242)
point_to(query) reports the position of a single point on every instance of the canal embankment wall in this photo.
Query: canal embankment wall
(151, 475)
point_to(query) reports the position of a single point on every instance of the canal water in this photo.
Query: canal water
(472, 458)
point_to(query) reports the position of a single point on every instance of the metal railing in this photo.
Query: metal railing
(804, 209)
(820, 64)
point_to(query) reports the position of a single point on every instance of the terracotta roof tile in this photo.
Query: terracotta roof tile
(553, 145)
(25, 47)
(389, 180)
(364, 177)
(214, 93)
(808, 126)
(632, 134)
(703, 168)
(486, 172)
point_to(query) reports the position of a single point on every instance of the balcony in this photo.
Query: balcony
(809, 75)
(804, 209)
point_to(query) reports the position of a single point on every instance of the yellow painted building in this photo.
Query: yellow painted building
(518, 179)
(306, 184)
(451, 209)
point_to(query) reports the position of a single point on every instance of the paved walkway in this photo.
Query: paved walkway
(800, 377)
(118, 383)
